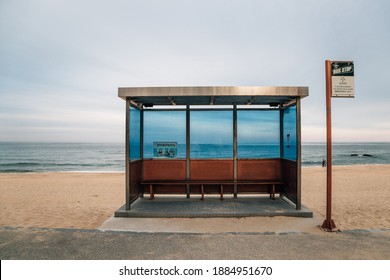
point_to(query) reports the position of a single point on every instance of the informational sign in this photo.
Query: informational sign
(164, 149)
(342, 73)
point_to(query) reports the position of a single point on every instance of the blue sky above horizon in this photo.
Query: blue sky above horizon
(61, 62)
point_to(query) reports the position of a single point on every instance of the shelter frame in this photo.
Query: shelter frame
(278, 98)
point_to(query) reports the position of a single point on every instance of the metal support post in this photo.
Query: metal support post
(127, 156)
(299, 154)
(188, 150)
(328, 223)
(235, 150)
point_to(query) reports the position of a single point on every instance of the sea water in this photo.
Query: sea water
(346, 153)
(16, 157)
(60, 157)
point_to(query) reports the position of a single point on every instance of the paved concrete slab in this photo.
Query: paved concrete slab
(180, 207)
(247, 225)
(66, 244)
(243, 215)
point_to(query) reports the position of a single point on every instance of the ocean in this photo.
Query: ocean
(21, 157)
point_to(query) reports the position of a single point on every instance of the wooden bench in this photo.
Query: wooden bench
(203, 184)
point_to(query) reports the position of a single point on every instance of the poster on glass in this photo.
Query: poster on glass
(164, 149)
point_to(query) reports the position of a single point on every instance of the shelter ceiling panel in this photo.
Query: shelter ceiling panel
(212, 95)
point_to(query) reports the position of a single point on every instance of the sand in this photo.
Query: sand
(361, 195)
(59, 200)
(361, 198)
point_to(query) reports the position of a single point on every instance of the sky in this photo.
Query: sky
(61, 62)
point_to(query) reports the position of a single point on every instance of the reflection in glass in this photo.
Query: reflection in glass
(290, 133)
(135, 133)
(211, 134)
(164, 126)
(258, 134)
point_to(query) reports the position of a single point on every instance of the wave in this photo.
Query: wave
(21, 164)
(311, 162)
(27, 167)
(55, 164)
(16, 171)
(63, 157)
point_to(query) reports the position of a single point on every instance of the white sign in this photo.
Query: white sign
(343, 79)
(164, 149)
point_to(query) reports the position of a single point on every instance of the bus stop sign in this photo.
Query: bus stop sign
(342, 73)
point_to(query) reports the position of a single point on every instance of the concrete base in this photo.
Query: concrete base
(181, 207)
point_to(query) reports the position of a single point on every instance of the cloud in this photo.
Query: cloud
(67, 58)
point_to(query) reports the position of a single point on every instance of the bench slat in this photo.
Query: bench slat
(202, 185)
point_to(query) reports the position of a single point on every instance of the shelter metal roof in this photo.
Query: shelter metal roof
(212, 95)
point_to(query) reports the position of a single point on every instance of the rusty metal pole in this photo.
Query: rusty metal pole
(328, 223)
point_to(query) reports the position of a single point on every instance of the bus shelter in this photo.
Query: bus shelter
(227, 141)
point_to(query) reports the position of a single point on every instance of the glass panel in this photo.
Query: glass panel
(211, 134)
(165, 126)
(135, 133)
(258, 134)
(290, 133)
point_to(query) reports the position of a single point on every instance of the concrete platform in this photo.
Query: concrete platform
(245, 215)
(211, 207)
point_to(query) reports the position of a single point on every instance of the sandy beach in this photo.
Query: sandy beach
(59, 200)
(361, 197)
